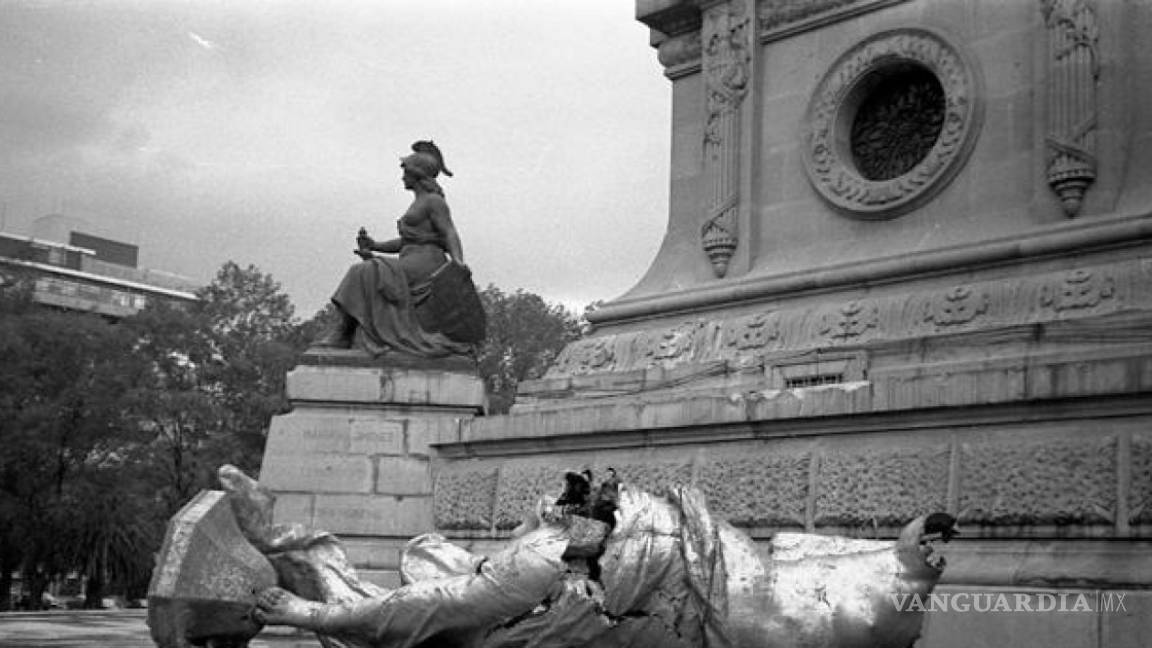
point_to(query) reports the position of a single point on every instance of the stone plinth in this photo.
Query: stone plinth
(353, 456)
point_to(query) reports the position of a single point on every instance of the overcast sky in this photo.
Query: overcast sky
(268, 132)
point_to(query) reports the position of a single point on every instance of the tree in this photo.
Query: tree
(251, 324)
(62, 395)
(525, 334)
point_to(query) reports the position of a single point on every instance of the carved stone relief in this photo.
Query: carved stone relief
(959, 305)
(1074, 70)
(850, 320)
(728, 41)
(1078, 289)
(1083, 292)
(913, 66)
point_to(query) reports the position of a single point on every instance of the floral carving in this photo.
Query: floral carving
(959, 305)
(885, 56)
(1072, 114)
(753, 332)
(850, 320)
(586, 356)
(1079, 289)
(677, 342)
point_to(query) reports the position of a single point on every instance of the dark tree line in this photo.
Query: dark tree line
(108, 427)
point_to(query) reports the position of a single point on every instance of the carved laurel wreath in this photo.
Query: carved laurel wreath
(827, 158)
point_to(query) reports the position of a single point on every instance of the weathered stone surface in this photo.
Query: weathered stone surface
(884, 488)
(378, 515)
(521, 486)
(403, 476)
(654, 476)
(465, 499)
(760, 488)
(385, 386)
(1057, 482)
(205, 576)
(1140, 490)
(967, 628)
(425, 431)
(317, 473)
(374, 436)
(293, 508)
(373, 553)
(1129, 626)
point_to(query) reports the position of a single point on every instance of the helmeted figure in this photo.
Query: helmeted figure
(422, 301)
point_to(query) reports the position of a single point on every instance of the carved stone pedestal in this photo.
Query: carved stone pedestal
(353, 455)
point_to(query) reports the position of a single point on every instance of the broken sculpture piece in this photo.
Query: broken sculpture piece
(663, 572)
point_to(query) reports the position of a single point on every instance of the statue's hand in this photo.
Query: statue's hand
(363, 253)
(363, 241)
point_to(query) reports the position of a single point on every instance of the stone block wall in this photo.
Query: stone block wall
(354, 455)
(1055, 475)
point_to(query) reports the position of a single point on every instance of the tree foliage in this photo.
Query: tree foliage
(107, 428)
(525, 333)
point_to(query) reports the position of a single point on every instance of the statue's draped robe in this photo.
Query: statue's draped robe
(382, 293)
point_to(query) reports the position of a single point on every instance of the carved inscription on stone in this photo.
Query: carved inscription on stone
(1051, 483)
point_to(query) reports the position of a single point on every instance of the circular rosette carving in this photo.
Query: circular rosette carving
(891, 123)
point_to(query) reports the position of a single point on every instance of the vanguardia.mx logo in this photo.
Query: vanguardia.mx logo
(1016, 602)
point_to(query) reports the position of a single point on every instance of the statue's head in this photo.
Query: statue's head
(423, 166)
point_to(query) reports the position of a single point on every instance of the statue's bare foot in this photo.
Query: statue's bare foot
(277, 606)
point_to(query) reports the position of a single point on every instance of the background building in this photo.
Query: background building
(89, 273)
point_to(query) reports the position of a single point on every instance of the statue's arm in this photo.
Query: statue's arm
(365, 245)
(387, 247)
(442, 219)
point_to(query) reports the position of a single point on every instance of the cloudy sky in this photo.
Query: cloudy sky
(267, 132)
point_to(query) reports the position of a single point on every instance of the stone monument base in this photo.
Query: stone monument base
(353, 456)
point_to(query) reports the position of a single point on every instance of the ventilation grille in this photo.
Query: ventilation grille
(813, 380)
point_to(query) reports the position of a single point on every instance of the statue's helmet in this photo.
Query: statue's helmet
(426, 160)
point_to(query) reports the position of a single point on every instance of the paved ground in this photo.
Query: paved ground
(107, 629)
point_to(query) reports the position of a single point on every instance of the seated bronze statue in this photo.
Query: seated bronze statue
(607, 566)
(421, 301)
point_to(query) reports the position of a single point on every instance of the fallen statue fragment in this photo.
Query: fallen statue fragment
(610, 568)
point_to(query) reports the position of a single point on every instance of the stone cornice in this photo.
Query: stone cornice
(1055, 240)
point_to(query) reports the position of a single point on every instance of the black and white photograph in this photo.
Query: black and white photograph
(575, 324)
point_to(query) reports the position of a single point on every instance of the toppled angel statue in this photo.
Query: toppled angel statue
(607, 566)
